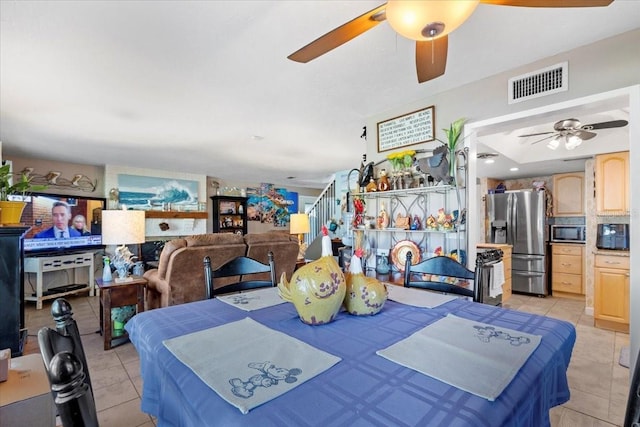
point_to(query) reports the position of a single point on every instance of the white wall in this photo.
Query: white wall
(604, 66)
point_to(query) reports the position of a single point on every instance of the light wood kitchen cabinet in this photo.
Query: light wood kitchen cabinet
(612, 183)
(567, 266)
(611, 292)
(568, 194)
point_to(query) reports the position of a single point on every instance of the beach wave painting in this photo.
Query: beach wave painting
(152, 193)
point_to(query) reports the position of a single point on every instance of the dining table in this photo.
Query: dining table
(363, 388)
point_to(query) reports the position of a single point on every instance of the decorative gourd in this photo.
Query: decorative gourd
(365, 295)
(317, 289)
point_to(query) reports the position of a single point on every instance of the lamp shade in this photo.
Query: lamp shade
(299, 223)
(416, 19)
(121, 227)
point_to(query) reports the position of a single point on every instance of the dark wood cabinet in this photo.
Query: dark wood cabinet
(229, 214)
(11, 288)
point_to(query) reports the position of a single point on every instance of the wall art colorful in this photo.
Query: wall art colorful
(271, 205)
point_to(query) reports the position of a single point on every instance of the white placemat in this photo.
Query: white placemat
(248, 364)
(417, 297)
(253, 300)
(473, 356)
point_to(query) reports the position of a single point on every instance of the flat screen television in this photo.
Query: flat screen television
(45, 213)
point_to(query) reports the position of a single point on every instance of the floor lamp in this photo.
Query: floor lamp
(299, 224)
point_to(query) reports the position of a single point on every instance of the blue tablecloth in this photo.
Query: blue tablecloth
(364, 389)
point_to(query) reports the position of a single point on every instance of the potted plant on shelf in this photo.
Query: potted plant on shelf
(453, 137)
(11, 210)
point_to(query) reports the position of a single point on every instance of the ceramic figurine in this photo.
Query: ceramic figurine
(317, 289)
(416, 225)
(371, 186)
(383, 218)
(365, 296)
(383, 182)
(431, 222)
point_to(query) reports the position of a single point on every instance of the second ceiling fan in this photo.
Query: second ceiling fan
(427, 22)
(572, 132)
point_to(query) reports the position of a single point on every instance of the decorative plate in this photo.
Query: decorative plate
(399, 253)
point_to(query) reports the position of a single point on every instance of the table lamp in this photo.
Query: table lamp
(122, 227)
(299, 224)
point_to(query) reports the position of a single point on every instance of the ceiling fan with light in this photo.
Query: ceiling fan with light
(427, 22)
(572, 132)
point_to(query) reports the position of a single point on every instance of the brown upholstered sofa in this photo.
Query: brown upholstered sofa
(179, 277)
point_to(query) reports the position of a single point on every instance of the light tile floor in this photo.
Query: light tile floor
(599, 385)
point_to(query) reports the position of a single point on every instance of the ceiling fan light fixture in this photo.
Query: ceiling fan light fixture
(572, 141)
(423, 20)
(553, 144)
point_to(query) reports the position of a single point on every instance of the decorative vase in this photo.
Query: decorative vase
(317, 289)
(453, 164)
(106, 271)
(11, 211)
(365, 296)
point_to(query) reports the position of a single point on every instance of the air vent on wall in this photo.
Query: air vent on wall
(539, 83)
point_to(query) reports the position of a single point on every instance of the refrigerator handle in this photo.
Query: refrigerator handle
(510, 219)
(514, 217)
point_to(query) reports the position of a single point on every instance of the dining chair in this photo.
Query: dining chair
(241, 267)
(66, 366)
(445, 267)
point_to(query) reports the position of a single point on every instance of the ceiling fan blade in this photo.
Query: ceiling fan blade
(340, 35)
(584, 134)
(605, 125)
(549, 3)
(544, 139)
(534, 134)
(431, 58)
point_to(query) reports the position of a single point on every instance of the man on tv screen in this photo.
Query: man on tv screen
(61, 213)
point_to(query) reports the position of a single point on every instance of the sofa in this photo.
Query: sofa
(179, 277)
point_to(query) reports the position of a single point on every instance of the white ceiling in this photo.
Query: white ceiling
(187, 85)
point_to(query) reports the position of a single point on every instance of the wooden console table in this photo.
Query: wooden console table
(113, 295)
(41, 265)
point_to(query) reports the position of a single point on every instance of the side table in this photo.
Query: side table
(114, 295)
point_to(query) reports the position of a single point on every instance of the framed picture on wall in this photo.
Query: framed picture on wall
(409, 129)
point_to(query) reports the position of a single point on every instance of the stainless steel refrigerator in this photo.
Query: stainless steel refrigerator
(518, 219)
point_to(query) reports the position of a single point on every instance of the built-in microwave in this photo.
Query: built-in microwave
(568, 233)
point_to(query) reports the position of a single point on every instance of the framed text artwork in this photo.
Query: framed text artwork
(409, 129)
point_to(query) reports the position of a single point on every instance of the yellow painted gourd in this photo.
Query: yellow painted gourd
(365, 296)
(317, 289)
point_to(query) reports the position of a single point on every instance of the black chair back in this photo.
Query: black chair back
(632, 417)
(242, 267)
(73, 396)
(441, 266)
(67, 369)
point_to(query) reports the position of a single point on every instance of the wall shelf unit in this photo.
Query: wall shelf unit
(176, 215)
(422, 202)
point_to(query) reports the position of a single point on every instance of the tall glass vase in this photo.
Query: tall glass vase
(453, 165)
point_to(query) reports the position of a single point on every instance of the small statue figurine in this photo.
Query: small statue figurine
(416, 225)
(383, 182)
(383, 218)
(431, 222)
(371, 186)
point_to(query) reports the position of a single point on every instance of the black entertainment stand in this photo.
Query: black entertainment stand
(11, 288)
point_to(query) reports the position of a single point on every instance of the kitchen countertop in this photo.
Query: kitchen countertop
(611, 252)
